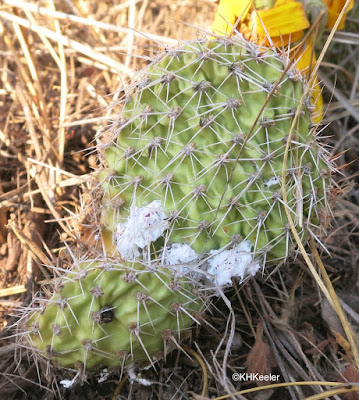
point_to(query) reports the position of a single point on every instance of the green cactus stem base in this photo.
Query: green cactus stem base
(113, 314)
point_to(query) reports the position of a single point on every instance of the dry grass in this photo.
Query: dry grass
(60, 68)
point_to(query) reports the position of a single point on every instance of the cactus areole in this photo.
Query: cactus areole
(192, 196)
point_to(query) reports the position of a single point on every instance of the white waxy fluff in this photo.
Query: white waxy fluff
(144, 225)
(226, 264)
(133, 377)
(276, 180)
(67, 383)
(104, 375)
(182, 255)
(179, 253)
(147, 224)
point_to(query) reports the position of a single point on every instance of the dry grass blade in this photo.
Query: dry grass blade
(7, 198)
(61, 62)
(339, 388)
(203, 367)
(12, 290)
(348, 105)
(37, 254)
(352, 338)
(63, 40)
(346, 37)
(119, 387)
(91, 22)
(327, 290)
(38, 95)
(348, 388)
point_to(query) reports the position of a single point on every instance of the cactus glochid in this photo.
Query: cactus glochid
(192, 195)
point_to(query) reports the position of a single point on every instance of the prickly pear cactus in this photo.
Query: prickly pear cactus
(113, 314)
(191, 184)
(200, 144)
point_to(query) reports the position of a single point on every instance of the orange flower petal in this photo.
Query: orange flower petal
(337, 5)
(284, 18)
(305, 60)
(334, 9)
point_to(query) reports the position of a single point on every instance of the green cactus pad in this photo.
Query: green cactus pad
(112, 314)
(204, 132)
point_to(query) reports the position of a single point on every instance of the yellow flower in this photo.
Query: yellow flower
(334, 9)
(227, 14)
(284, 22)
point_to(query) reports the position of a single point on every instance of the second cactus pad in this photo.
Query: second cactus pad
(203, 133)
(110, 314)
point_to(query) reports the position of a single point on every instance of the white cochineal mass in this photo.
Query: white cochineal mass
(237, 261)
(183, 259)
(144, 225)
(147, 224)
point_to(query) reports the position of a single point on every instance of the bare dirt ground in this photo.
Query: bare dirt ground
(60, 66)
